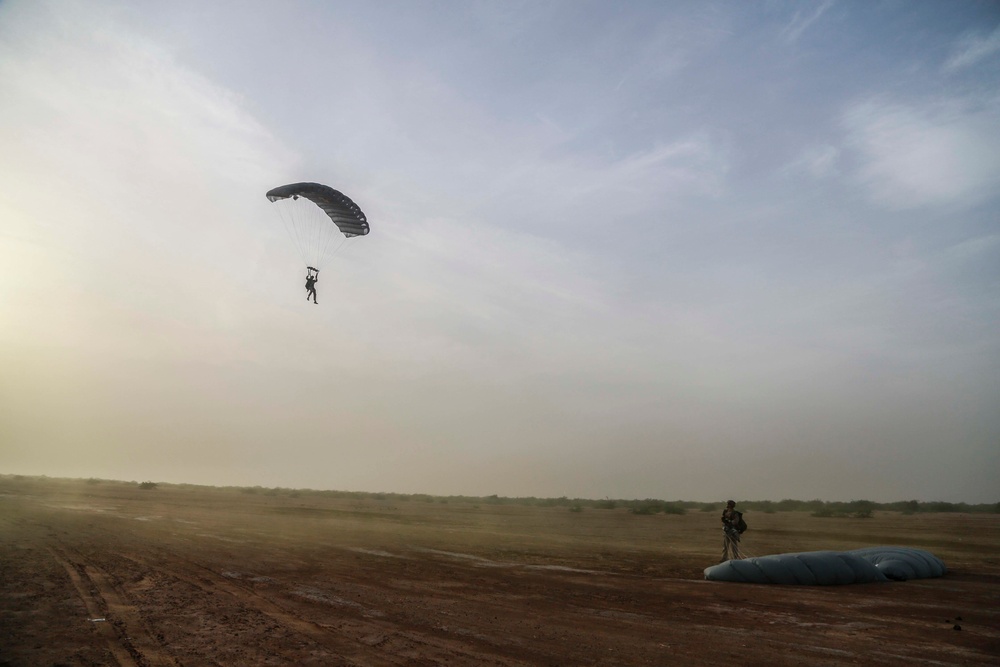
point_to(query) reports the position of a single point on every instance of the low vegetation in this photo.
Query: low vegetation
(858, 509)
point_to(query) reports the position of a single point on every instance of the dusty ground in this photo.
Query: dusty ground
(110, 574)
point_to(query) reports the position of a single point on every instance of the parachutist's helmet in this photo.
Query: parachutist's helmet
(730, 503)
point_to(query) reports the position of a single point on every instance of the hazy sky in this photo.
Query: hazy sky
(631, 249)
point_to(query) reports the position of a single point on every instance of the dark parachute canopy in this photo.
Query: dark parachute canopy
(318, 218)
(827, 568)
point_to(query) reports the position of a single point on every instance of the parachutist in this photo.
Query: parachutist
(731, 524)
(315, 216)
(311, 280)
(318, 219)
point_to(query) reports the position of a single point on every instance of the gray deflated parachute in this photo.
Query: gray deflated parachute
(828, 568)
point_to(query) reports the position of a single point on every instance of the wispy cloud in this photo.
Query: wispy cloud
(135, 168)
(586, 189)
(118, 109)
(555, 272)
(803, 19)
(820, 161)
(946, 153)
(695, 165)
(973, 48)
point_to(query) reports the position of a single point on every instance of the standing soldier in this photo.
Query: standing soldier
(732, 526)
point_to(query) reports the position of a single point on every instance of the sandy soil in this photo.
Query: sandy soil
(108, 574)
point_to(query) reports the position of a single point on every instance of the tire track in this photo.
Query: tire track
(126, 635)
(355, 638)
(352, 653)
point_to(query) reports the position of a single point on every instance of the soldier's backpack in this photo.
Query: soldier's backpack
(741, 525)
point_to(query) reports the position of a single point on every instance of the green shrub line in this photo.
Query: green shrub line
(859, 509)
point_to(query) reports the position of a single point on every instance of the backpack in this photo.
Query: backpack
(741, 525)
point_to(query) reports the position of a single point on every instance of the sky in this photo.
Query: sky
(677, 250)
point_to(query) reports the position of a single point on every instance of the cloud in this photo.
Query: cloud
(819, 161)
(804, 19)
(135, 188)
(567, 196)
(122, 129)
(693, 165)
(973, 48)
(556, 278)
(908, 157)
(974, 248)
(472, 295)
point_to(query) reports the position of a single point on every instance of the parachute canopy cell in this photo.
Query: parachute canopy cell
(828, 568)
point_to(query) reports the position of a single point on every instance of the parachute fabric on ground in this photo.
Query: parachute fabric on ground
(828, 568)
(812, 568)
(318, 219)
(902, 563)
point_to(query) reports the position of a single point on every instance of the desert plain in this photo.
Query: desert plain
(96, 572)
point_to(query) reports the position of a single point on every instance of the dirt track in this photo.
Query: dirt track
(212, 578)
